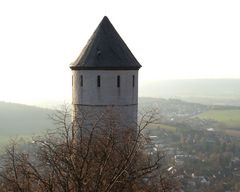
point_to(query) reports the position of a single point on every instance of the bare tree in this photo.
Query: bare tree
(76, 157)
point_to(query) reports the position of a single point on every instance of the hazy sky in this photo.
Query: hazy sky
(172, 39)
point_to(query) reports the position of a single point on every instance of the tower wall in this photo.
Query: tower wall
(118, 98)
(108, 93)
(105, 80)
(124, 116)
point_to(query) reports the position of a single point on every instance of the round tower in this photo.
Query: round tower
(105, 77)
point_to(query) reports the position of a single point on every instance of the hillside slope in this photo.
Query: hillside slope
(17, 119)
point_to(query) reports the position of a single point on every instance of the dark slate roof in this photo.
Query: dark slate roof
(105, 50)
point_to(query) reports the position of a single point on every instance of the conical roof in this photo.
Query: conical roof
(105, 50)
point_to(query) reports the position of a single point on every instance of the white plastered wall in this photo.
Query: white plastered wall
(108, 93)
(92, 100)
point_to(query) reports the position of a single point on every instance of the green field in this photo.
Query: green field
(5, 140)
(230, 117)
(162, 126)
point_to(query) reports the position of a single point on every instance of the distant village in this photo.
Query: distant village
(203, 158)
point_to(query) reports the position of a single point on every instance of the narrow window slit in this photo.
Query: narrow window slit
(81, 80)
(133, 81)
(98, 81)
(118, 81)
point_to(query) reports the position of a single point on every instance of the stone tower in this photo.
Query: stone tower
(105, 76)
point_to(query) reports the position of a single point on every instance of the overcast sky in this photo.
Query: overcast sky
(172, 39)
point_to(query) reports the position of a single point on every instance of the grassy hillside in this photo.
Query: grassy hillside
(230, 117)
(21, 120)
